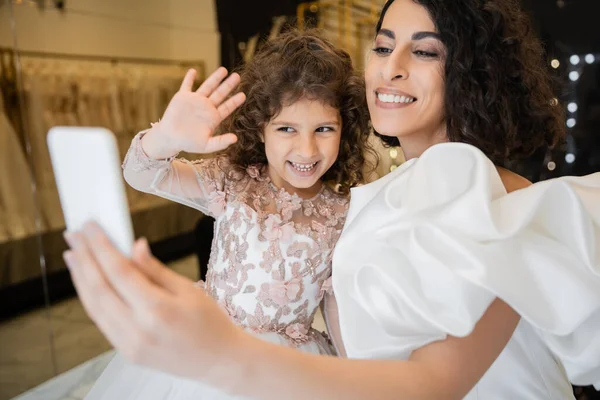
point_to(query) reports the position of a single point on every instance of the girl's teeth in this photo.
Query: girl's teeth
(390, 98)
(303, 167)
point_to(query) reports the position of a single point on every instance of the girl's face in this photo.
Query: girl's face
(301, 143)
(404, 74)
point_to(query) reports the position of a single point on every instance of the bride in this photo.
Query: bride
(453, 277)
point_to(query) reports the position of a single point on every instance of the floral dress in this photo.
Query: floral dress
(270, 262)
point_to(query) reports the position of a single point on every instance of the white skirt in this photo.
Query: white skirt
(122, 380)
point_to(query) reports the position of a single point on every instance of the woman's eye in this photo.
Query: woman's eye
(382, 50)
(425, 54)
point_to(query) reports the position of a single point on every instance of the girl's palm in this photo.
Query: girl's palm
(190, 120)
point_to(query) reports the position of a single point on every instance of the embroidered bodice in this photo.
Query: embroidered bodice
(271, 254)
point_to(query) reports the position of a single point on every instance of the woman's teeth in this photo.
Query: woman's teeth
(303, 167)
(390, 98)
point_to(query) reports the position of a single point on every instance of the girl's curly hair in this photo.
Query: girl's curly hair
(498, 89)
(302, 65)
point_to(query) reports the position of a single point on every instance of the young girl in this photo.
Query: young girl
(302, 128)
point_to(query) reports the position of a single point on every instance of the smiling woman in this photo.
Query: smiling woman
(405, 77)
(477, 73)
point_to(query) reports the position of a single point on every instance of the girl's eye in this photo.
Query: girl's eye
(286, 129)
(324, 129)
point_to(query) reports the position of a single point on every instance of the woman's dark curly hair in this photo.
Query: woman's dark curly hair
(302, 65)
(498, 90)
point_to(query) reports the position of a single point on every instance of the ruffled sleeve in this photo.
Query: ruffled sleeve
(199, 184)
(426, 256)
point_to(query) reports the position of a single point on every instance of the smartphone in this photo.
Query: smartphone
(87, 169)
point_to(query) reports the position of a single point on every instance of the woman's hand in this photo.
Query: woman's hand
(159, 319)
(152, 315)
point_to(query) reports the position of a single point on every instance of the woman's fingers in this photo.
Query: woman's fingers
(122, 274)
(104, 306)
(156, 271)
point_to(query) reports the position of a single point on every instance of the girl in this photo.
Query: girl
(302, 128)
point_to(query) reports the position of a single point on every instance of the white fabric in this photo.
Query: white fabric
(122, 380)
(426, 249)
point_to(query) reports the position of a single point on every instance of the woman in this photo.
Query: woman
(454, 278)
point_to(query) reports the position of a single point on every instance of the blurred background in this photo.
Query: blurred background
(116, 63)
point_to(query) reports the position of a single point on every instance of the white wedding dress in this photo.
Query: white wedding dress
(427, 248)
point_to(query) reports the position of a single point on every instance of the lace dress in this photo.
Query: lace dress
(270, 263)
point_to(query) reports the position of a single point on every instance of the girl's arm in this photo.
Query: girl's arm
(188, 124)
(194, 184)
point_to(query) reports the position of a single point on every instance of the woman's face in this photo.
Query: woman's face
(404, 74)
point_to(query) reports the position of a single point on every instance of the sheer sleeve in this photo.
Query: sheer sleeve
(198, 184)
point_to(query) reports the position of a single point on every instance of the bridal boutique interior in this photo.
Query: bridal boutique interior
(116, 64)
(80, 63)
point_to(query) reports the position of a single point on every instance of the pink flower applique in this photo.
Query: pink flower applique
(217, 203)
(283, 293)
(276, 230)
(259, 320)
(288, 203)
(237, 313)
(297, 332)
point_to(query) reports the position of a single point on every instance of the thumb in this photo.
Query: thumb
(141, 251)
(220, 142)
